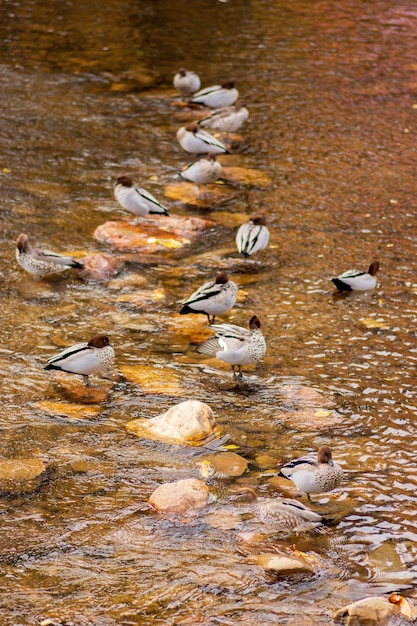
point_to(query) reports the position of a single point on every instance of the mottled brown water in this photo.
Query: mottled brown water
(86, 95)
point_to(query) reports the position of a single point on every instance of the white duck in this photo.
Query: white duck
(236, 345)
(354, 280)
(314, 476)
(203, 171)
(213, 298)
(192, 139)
(135, 199)
(252, 237)
(84, 358)
(186, 82)
(217, 96)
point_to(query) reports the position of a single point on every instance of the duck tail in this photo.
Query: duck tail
(209, 347)
(341, 285)
(77, 265)
(51, 366)
(186, 309)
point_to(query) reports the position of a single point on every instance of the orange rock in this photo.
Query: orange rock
(152, 234)
(212, 195)
(76, 391)
(246, 176)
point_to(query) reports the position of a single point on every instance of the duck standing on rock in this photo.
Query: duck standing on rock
(217, 96)
(236, 345)
(252, 237)
(84, 358)
(203, 171)
(42, 262)
(213, 298)
(135, 199)
(186, 83)
(192, 139)
(354, 280)
(314, 476)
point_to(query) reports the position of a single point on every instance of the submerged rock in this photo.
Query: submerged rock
(155, 380)
(72, 388)
(101, 266)
(20, 475)
(152, 234)
(187, 423)
(375, 610)
(181, 497)
(285, 564)
(71, 410)
(222, 465)
(245, 176)
(210, 196)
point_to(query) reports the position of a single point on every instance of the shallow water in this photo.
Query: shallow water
(86, 95)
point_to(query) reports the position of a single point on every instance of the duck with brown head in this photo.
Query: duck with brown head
(186, 83)
(84, 358)
(354, 280)
(213, 298)
(217, 96)
(136, 199)
(196, 141)
(40, 262)
(236, 345)
(314, 476)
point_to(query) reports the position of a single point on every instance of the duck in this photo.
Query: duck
(135, 199)
(311, 476)
(84, 358)
(42, 262)
(217, 96)
(186, 82)
(227, 119)
(236, 345)
(354, 280)
(213, 298)
(286, 514)
(203, 171)
(252, 236)
(192, 139)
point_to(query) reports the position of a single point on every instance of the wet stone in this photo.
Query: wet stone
(180, 498)
(187, 423)
(101, 266)
(227, 464)
(74, 390)
(206, 197)
(310, 419)
(71, 410)
(20, 475)
(283, 564)
(152, 235)
(375, 611)
(154, 380)
(245, 176)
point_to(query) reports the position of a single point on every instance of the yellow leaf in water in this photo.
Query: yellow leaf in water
(158, 294)
(370, 322)
(322, 413)
(6, 170)
(231, 446)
